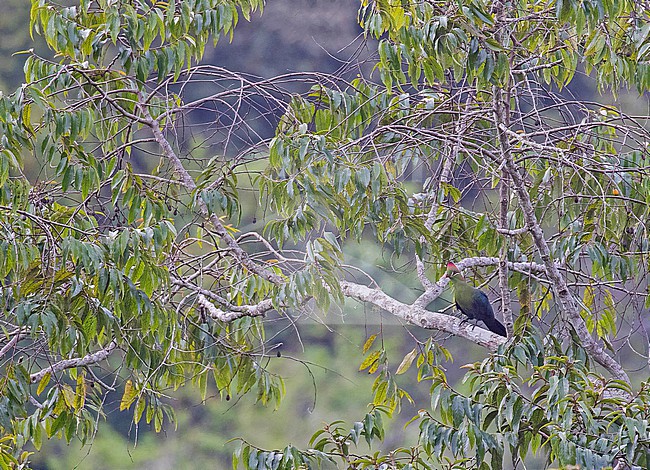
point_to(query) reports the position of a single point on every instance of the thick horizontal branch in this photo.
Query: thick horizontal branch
(75, 362)
(513, 232)
(243, 310)
(423, 318)
(205, 299)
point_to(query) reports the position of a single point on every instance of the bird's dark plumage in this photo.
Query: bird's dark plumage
(473, 303)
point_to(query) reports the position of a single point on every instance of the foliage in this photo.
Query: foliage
(128, 249)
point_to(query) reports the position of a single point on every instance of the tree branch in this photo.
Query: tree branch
(501, 112)
(244, 310)
(237, 251)
(75, 362)
(446, 172)
(12, 342)
(563, 295)
(423, 318)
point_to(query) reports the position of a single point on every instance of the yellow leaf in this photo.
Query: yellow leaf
(130, 393)
(158, 421)
(589, 296)
(139, 409)
(368, 343)
(80, 395)
(68, 396)
(371, 360)
(232, 230)
(380, 394)
(43, 383)
(59, 406)
(407, 361)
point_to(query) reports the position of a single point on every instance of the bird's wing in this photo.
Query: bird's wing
(481, 301)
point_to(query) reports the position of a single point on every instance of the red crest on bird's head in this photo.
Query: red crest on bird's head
(451, 267)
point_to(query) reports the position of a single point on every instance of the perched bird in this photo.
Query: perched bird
(473, 303)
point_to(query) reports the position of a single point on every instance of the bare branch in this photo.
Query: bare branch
(189, 183)
(501, 112)
(512, 232)
(567, 303)
(244, 310)
(12, 342)
(446, 173)
(423, 318)
(87, 360)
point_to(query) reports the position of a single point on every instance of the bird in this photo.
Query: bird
(472, 302)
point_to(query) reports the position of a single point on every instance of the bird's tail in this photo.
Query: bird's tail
(495, 326)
